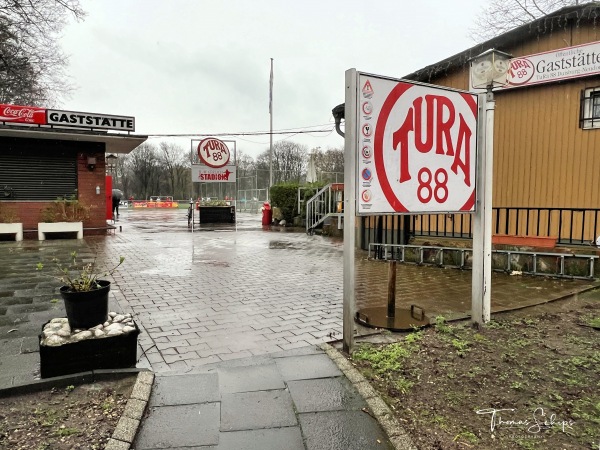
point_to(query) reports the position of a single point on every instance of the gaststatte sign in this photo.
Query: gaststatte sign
(41, 116)
(569, 62)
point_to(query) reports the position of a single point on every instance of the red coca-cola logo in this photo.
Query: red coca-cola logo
(22, 114)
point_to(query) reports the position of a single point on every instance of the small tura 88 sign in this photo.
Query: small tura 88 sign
(416, 147)
(213, 152)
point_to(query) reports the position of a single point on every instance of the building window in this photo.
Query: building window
(590, 108)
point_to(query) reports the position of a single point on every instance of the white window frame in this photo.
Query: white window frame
(590, 121)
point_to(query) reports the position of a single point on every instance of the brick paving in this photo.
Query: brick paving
(217, 295)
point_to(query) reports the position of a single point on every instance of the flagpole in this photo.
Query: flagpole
(271, 131)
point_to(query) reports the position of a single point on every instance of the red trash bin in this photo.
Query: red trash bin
(267, 214)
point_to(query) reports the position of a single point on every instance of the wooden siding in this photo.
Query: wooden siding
(542, 158)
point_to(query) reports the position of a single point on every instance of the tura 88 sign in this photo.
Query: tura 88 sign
(416, 147)
(213, 152)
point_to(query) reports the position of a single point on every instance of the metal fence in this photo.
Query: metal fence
(250, 200)
(571, 226)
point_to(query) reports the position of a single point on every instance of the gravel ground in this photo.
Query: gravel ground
(75, 417)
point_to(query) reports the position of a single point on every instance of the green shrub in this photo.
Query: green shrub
(65, 210)
(285, 197)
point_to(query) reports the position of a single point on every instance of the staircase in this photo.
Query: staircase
(327, 202)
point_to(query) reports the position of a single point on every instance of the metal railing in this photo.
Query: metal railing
(250, 200)
(325, 203)
(571, 226)
(561, 265)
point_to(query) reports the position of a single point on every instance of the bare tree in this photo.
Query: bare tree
(246, 171)
(501, 16)
(175, 165)
(32, 66)
(329, 164)
(289, 162)
(143, 168)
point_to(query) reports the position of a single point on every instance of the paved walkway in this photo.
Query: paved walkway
(229, 322)
(291, 400)
(218, 295)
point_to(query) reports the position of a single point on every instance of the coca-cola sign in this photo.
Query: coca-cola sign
(22, 114)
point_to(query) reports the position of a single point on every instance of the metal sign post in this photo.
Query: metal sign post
(481, 284)
(350, 150)
(410, 148)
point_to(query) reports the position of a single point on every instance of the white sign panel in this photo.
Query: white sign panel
(416, 147)
(204, 174)
(561, 64)
(89, 120)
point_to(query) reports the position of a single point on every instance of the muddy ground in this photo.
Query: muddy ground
(73, 418)
(527, 380)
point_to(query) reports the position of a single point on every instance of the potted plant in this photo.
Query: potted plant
(65, 214)
(84, 293)
(9, 222)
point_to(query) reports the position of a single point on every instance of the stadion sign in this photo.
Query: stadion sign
(41, 116)
(215, 162)
(569, 62)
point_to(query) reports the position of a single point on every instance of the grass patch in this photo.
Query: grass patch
(66, 431)
(441, 376)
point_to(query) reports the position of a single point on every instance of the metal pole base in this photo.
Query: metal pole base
(403, 320)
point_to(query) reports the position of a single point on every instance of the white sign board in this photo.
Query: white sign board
(89, 120)
(213, 161)
(416, 147)
(204, 174)
(569, 62)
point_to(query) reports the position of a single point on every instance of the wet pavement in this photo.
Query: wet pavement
(290, 400)
(227, 292)
(229, 318)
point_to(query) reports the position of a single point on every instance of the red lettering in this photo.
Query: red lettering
(463, 145)
(444, 126)
(423, 147)
(400, 137)
(423, 122)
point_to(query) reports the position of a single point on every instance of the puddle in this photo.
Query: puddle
(284, 245)
(214, 262)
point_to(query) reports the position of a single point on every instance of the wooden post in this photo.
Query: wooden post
(391, 308)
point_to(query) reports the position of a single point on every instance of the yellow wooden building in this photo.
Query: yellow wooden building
(546, 134)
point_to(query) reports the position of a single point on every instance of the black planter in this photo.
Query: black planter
(112, 352)
(86, 309)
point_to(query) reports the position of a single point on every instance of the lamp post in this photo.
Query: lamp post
(488, 70)
(111, 163)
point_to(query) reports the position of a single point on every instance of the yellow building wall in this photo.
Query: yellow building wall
(542, 158)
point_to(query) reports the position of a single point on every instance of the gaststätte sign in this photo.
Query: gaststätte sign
(41, 116)
(416, 147)
(569, 62)
(89, 120)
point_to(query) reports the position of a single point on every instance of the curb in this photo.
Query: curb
(380, 410)
(130, 420)
(66, 380)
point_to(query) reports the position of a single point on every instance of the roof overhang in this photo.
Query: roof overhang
(506, 41)
(115, 142)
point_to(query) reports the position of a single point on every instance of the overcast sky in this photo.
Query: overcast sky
(202, 67)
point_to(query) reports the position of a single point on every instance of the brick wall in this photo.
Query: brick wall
(29, 212)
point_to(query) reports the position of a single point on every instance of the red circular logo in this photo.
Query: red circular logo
(520, 72)
(425, 149)
(213, 152)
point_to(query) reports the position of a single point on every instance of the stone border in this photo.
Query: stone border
(381, 412)
(130, 420)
